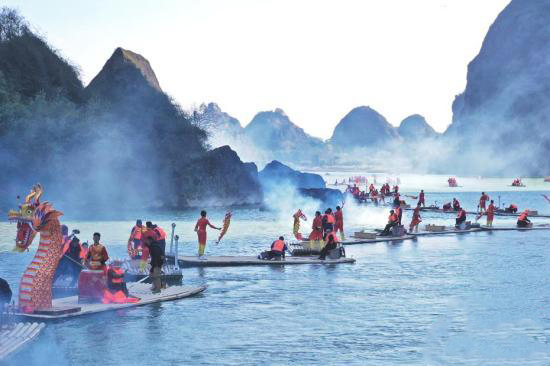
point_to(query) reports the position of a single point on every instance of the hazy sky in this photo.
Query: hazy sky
(315, 59)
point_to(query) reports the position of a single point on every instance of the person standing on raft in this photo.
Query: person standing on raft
(421, 198)
(157, 260)
(316, 229)
(339, 222)
(416, 219)
(523, 221)
(490, 213)
(134, 242)
(482, 200)
(97, 254)
(328, 223)
(200, 228)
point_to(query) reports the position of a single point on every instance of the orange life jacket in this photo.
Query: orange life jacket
(461, 214)
(393, 218)
(523, 216)
(161, 234)
(137, 232)
(117, 275)
(83, 252)
(96, 255)
(66, 246)
(278, 246)
(330, 219)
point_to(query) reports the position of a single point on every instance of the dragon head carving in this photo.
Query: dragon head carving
(31, 217)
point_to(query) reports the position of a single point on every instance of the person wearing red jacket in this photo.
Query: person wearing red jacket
(523, 221)
(200, 228)
(392, 221)
(339, 222)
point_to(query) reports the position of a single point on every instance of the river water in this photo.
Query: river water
(475, 299)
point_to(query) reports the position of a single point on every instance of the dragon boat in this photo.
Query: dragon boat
(35, 289)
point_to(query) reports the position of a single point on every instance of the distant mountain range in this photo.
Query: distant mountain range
(271, 135)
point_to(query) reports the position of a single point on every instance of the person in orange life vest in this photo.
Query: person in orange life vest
(317, 227)
(115, 278)
(147, 233)
(116, 291)
(392, 221)
(511, 209)
(399, 213)
(339, 221)
(523, 221)
(416, 219)
(461, 217)
(278, 248)
(160, 237)
(456, 204)
(332, 243)
(97, 255)
(200, 228)
(135, 237)
(490, 213)
(328, 223)
(421, 199)
(482, 201)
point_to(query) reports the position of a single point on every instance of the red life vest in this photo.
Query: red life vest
(137, 232)
(161, 234)
(393, 218)
(66, 246)
(461, 214)
(117, 275)
(398, 211)
(278, 246)
(330, 219)
(523, 216)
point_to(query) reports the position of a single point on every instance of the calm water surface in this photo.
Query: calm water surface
(476, 299)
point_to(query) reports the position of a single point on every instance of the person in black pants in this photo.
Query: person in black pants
(331, 244)
(157, 260)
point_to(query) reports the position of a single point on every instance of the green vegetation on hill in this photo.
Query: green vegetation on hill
(118, 143)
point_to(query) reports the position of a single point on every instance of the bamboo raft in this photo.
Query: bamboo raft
(14, 338)
(380, 239)
(505, 214)
(69, 307)
(230, 261)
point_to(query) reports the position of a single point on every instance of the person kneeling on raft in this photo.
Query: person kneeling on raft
(461, 217)
(393, 220)
(278, 248)
(523, 221)
(332, 243)
(116, 291)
